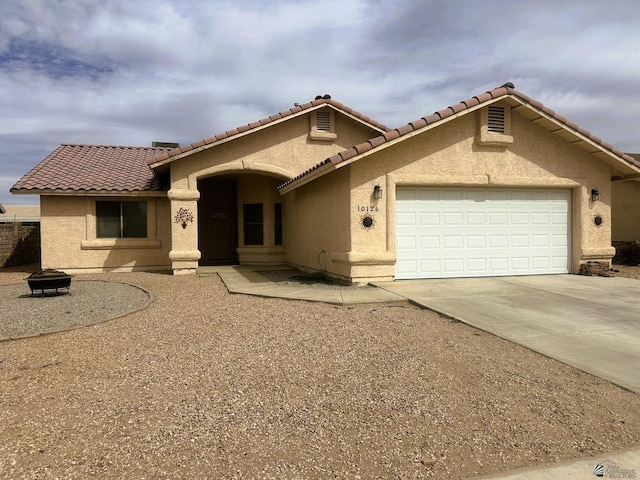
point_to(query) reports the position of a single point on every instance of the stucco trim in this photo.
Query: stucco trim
(236, 167)
(364, 258)
(183, 194)
(597, 253)
(184, 255)
(119, 243)
(402, 180)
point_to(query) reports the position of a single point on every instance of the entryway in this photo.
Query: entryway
(217, 220)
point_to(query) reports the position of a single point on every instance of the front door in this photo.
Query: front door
(217, 221)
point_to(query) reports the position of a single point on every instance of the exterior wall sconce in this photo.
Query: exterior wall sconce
(377, 192)
(595, 195)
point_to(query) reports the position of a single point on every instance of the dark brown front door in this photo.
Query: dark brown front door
(217, 221)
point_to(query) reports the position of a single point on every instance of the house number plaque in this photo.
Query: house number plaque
(367, 208)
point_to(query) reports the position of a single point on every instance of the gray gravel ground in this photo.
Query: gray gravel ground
(87, 302)
(202, 384)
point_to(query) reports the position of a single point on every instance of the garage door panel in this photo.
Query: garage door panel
(477, 265)
(481, 232)
(406, 218)
(476, 241)
(427, 219)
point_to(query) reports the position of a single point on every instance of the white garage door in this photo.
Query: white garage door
(481, 232)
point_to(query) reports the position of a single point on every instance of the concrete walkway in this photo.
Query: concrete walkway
(591, 323)
(614, 465)
(249, 281)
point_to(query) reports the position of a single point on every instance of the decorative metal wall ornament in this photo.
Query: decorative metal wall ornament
(183, 216)
(367, 222)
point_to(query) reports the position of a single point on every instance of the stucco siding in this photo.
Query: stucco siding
(282, 151)
(449, 156)
(317, 230)
(69, 239)
(625, 207)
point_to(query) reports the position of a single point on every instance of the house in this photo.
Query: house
(497, 184)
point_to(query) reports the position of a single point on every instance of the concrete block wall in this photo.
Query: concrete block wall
(627, 253)
(19, 244)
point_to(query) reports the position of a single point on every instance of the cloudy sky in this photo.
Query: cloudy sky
(128, 72)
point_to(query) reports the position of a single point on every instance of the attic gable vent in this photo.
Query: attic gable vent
(496, 119)
(323, 125)
(495, 126)
(323, 121)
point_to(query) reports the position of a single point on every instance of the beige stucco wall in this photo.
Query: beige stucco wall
(277, 153)
(625, 208)
(448, 156)
(69, 238)
(315, 227)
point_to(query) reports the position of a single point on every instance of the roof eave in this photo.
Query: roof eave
(577, 136)
(86, 192)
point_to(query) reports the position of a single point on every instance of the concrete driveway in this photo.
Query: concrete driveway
(591, 323)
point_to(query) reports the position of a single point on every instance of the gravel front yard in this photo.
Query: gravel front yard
(202, 384)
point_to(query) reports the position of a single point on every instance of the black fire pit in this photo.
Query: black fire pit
(49, 279)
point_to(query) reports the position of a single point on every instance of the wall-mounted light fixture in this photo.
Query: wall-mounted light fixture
(377, 192)
(595, 195)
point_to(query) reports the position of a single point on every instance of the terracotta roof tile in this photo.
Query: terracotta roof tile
(499, 92)
(94, 167)
(272, 118)
(377, 141)
(433, 118)
(403, 130)
(470, 102)
(363, 147)
(416, 124)
(391, 135)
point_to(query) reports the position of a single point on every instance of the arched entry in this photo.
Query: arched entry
(217, 220)
(240, 219)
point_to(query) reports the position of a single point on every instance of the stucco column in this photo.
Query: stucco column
(184, 254)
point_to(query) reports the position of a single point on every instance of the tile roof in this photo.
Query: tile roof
(86, 168)
(314, 104)
(506, 90)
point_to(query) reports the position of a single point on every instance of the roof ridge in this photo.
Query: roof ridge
(97, 145)
(507, 88)
(297, 108)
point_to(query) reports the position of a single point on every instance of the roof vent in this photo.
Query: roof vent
(496, 119)
(165, 144)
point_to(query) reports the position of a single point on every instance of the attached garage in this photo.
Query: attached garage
(477, 232)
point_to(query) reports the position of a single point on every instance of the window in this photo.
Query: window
(121, 219)
(277, 223)
(253, 224)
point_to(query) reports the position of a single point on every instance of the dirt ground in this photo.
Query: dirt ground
(203, 384)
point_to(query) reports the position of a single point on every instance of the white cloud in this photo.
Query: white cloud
(132, 72)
